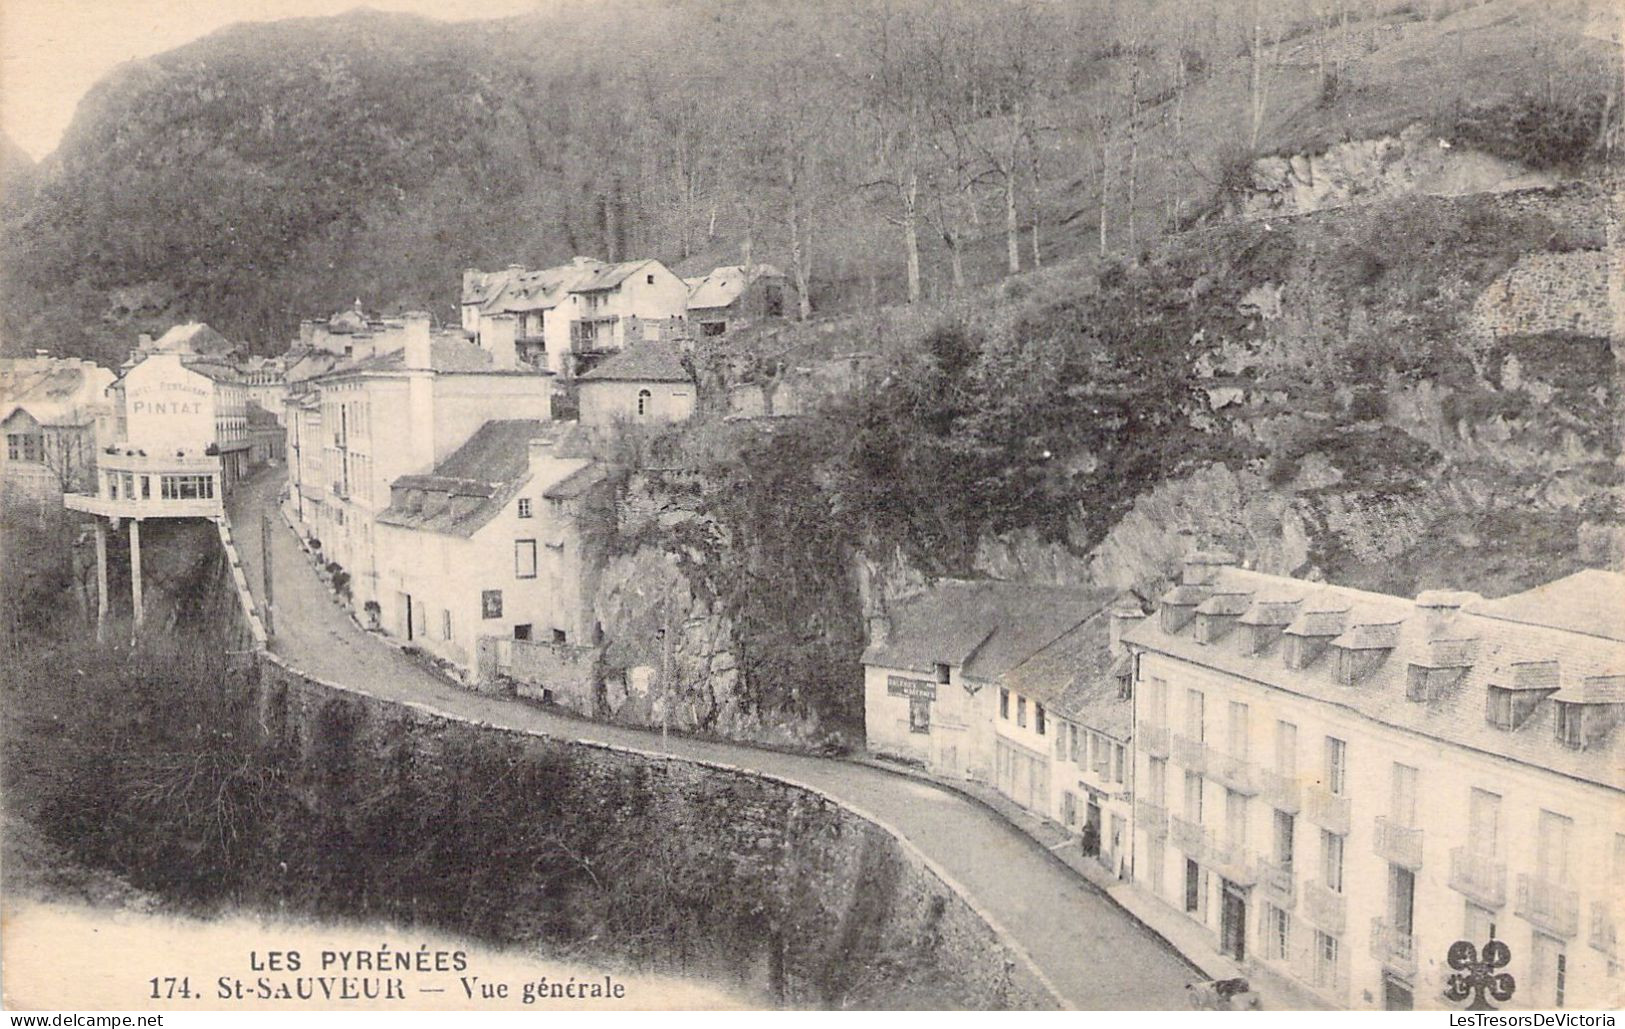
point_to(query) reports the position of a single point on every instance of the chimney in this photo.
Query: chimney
(307, 333)
(497, 336)
(1439, 608)
(418, 350)
(879, 629)
(1201, 566)
(144, 341)
(1126, 613)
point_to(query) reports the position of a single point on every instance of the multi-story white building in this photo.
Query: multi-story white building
(55, 416)
(1339, 784)
(571, 316)
(1064, 732)
(489, 545)
(398, 406)
(932, 673)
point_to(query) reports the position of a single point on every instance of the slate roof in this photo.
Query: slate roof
(725, 284)
(609, 276)
(1496, 643)
(473, 483)
(258, 415)
(986, 627)
(1590, 601)
(648, 361)
(576, 483)
(517, 289)
(194, 337)
(1076, 678)
(448, 352)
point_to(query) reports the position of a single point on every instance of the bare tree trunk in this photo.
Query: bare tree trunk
(1038, 178)
(911, 234)
(799, 257)
(1105, 183)
(1257, 92)
(1012, 225)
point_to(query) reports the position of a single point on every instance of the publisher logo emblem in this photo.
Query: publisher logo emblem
(1476, 976)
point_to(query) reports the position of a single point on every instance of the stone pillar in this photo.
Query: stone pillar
(101, 578)
(135, 572)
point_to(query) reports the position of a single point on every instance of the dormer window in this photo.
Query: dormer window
(1300, 651)
(1508, 709)
(1175, 617)
(1570, 724)
(1354, 665)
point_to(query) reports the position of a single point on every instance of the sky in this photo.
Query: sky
(53, 51)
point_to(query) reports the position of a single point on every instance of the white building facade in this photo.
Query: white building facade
(1339, 785)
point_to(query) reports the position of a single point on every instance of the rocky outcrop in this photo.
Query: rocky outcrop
(1575, 292)
(1365, 171)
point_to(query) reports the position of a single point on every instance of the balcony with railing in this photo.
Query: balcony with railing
(1192, 753)
(1153, 818)
(1276, 882)
(1394, 948)
(1327, 809)
(1188, 836)
(1478, 877)
(1398, 844)
(1326, 909)
(1281, 791)
(1548, 905)
(1234, 773)
(1153, 739)
(1604, 936)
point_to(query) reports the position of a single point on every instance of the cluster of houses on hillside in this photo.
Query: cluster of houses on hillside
(1332, 785)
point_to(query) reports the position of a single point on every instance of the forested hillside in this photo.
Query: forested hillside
(881, 152)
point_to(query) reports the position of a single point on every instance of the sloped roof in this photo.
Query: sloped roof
(517, 289)
(258, 415)
(576, 483)
(609, 276)
(1589, 601)
(1075, 678)
(194, 337)
(725, 284)
(54, 392)
(448, 352)
(468, 488)
(986, 627)
(1490, 640)
(216, 370)
(648, 361)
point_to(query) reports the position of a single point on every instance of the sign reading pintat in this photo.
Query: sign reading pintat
(168, 406)
(899, 686)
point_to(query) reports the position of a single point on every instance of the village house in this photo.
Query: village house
(932, 669)
(265, 382)
(1064, 732)
(180, 419)
(571, 316)
(488, 546)
(404, 400)
(647, 383)
(55, 415)
(733, 297)
(1339, 784)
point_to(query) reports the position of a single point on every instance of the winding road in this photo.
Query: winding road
(1094, 953)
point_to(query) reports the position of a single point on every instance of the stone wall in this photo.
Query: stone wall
(833, 906)
(557, 673)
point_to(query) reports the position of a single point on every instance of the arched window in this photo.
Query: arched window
(644, 398)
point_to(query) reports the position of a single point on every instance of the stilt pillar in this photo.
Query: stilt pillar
(135, 571)
(101, 578)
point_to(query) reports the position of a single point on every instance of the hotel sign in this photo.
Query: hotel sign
(899, 686)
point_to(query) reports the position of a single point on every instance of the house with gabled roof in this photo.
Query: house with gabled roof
(55, 415)
(1071, 704)
(932, 670)
(1337, 785)
(489, 544)
(647, 383)
(571, 316)
(732, 297)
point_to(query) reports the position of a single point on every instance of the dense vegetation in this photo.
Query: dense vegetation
(879, 151)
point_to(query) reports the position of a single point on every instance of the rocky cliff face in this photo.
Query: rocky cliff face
(1413, 163)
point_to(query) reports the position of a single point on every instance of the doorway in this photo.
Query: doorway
(1396, 994)
(1233, 922)
(407, 599)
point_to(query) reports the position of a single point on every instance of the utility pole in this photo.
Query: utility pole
(265, 571)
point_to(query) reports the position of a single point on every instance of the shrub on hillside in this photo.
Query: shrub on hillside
(1540, 132)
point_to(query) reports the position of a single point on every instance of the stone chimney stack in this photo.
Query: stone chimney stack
(307, 333)
(1439, 608)
(1125, 614)
(144, 341)
(879, 628)
(418, 349)
(1201, 566)
(497, 336)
